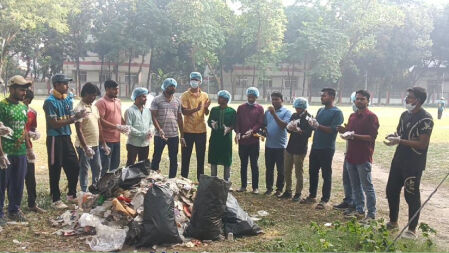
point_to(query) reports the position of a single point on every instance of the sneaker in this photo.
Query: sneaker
(308, 200)
(355, 214)
(409, 234)
(72, 199)
(286, 195)
(230, 189)
(368, 220)
(37, 209)
(296, 198)
(256, 191)
(392, 225)
(268, 192)
(343, 205)
(241, 190)
(18, 217)
(348, 210)
(278, 193)
(59, 205)
(2, 222)
(321, 206)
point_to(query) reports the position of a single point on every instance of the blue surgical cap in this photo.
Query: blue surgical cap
(169, 82)
(301, 103)
(252, 91)
(196, 76)
(225, 94)
(353, 96)
(138, 92)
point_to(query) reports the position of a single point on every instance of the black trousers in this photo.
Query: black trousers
(134, 152)
(30, 182)
(252, 152)
(321, 159)
(173, 147)
(200, 148)
(274, 156)
(61, 154)
(409, 177)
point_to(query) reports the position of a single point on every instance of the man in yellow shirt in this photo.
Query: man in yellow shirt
(195, 105)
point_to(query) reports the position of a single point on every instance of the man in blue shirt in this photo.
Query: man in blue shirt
(323, 147)
(59, 115)
(276, 120)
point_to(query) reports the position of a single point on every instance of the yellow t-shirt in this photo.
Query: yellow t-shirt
(89, 125)
(194, 123)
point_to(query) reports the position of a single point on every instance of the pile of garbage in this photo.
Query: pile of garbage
(143, 208)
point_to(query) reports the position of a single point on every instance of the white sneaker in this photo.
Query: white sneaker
(410, 235)
(256, 191)
(59, 205)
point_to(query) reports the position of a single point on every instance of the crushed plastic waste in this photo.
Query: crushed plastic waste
(124, 205)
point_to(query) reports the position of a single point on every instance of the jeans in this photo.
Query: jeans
(12, 180)
(347, 186)
(409, 177)
(226, 172)
(361, 181)
(134, 152)
(321, 159)
(291, 160)
(274, 156)
(61, 153)
(30, 182)
(112, 161)
(173, 146)
(200, 147)
(251, 151)
(85, 163)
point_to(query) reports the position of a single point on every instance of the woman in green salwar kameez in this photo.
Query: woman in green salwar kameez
(221, 121)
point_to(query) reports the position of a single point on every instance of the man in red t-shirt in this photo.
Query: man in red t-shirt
(30, 178)
(361, 134)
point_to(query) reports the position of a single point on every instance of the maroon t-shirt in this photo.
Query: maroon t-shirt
(363, 123)
(249, 117)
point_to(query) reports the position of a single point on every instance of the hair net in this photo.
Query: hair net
(225, 94)
(252, 91)
(301, 103)
(169, 82)
(353, 96)
(196, 75)
(138, 91)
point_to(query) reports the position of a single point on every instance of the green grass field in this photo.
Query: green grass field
(286, 227)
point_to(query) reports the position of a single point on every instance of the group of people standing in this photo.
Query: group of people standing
(172, 121)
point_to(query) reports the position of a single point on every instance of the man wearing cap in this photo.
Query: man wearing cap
(59, 115)
(166, 113)
(195, 105)
(412, 138)
(138, 117)
(250, 117)
(14, 149)
(300, 132)
(112, 124)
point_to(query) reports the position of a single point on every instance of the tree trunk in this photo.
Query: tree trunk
(140, 68)
(28, 67)
(221, 76)
(304, 78)
(309, 90)
(254, 74)
(130, 58)
(100, 78)
(78, 82)
(291, 86)
(232, 81)
(149, 70)
(212, 69)
(339, 88)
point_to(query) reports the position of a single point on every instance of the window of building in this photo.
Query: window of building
(242, 82)
(267, 83)
(83, 76)
(133, 77)
(290, 82)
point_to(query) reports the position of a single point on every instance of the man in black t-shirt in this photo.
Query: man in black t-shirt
(409, 161)
(300, 132)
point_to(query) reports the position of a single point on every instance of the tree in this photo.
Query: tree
(52, 13)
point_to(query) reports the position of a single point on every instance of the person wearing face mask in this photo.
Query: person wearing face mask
(300, 132)
(221, 121)
(195, 105)
(250, 118)
(167, 118)
(412, 138)
(361, 134)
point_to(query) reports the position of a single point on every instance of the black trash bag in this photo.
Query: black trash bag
(159, 225)
(108, 184)
(208, 209)
(134, 233)
(237, 221)
(132, 174)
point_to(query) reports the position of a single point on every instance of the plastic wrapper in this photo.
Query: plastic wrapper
(108, 238)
